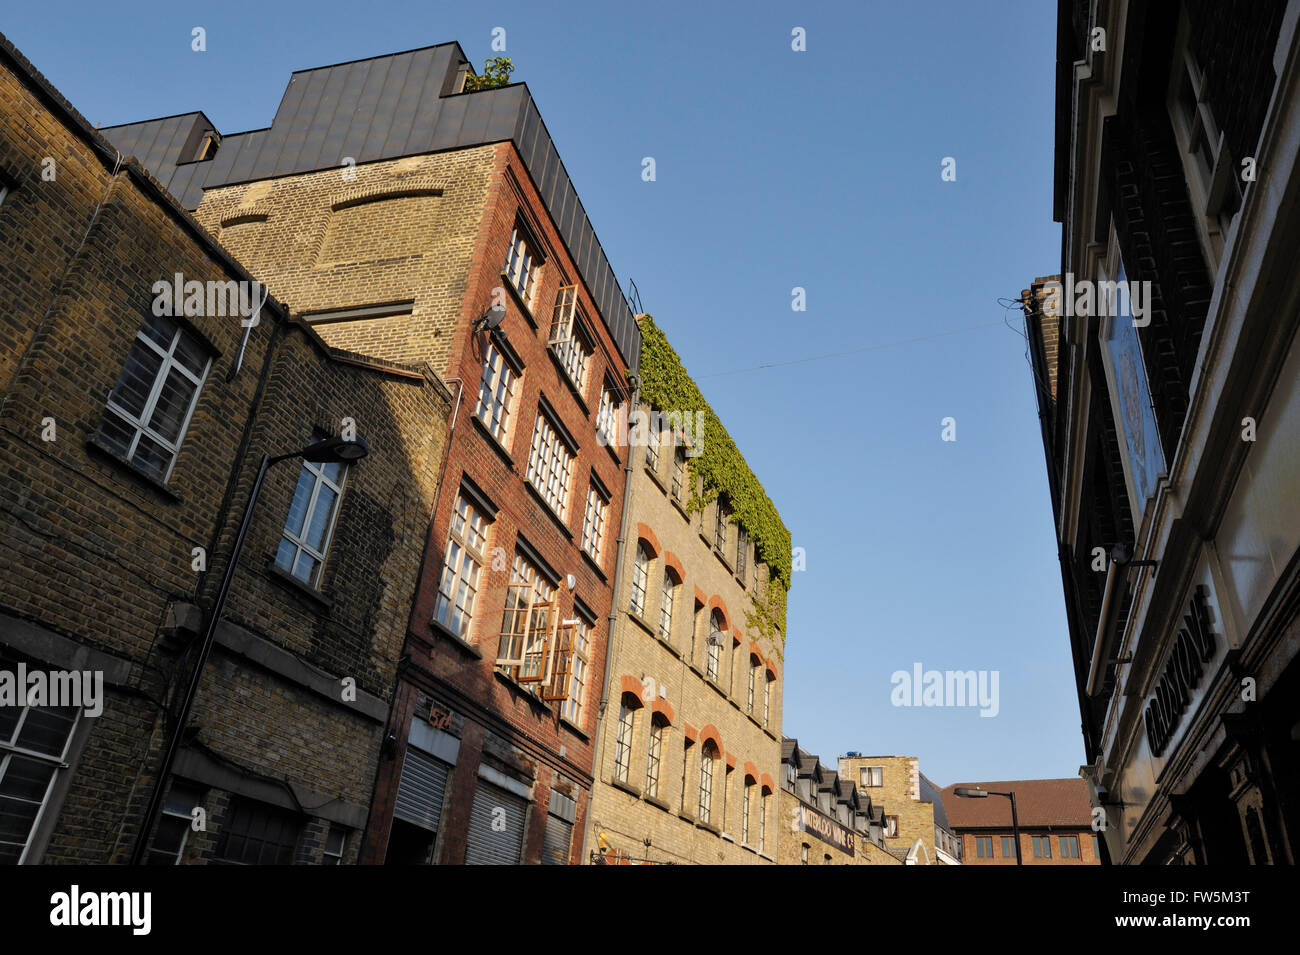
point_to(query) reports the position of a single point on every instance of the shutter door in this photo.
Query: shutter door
(488, 846)
(421, 790)
(556, 842)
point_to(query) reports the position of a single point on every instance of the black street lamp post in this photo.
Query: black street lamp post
(974, 792)
(328, 449)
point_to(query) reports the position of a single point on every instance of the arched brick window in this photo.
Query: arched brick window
(626, 733)
(717, 637)
(708, 756)
(640, 579)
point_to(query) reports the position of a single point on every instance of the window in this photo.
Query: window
(573, 352)
(652, 442)
(742, 551)
(593, 522)
(550, 466)
(174, 825)
(310, 522)
(335, 840)
(149, 408)
(575, 695)
(1096, 846)
(640, 580)
(803, 853)
(1042, 847)
(258, 834)
(707, 756)
(679, 473)
(666, 601)
(891, 827)
(762, 822)
(607, 418)
(984, 847)
(526, 623)
(1008, 847)
(1212, 173)
(753, 683)
(716, 638)
(623, 743)
(871, 776)
(520, 267)
(686, 763)
(496, 393)
(790, 776)
(1069, 847)
(744, 807)
(720, 528)
(653, 756)
(767, 700)
(34, 742)
(466, 550)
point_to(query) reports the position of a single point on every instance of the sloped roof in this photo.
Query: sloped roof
(933, 794)
(1039, 802)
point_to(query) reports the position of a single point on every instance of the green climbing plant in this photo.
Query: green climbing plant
(496, 72)
(666, 385)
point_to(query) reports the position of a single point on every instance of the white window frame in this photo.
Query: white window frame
(679, 472)
(868, 773)
(521, 265)
(550, 465)
(462, 565)
(745, 808)
(298, 543)
(571, 709)
(497, 390)
(607, 417)
(640, 580)
(654, 438)
(593, 523)
(654, 756)
(667, 600)
(526, 577)
(327, 853)
(767, 698)
(753, 685)
(168, 364)
(11, 751)
(623, 742)
(706, 782)
(762, 821)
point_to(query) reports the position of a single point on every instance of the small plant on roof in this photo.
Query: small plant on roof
(496, 72)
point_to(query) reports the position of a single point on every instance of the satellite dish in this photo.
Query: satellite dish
(493, 317)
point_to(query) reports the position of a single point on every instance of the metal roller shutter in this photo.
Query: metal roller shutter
(556, 841)
(488, 846)
(421, 790)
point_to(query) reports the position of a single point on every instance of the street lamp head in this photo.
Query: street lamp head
(335, 450)
(970, 792)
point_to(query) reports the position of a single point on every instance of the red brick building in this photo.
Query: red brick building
(413, 222)
(1055, 818)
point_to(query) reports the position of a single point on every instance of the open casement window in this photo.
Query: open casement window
(566, 304)
(527, 623)
(560, 664)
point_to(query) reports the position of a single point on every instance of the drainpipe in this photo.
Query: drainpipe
(612, 621)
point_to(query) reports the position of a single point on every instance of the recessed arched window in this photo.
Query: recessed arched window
(666, 602)
(708, 755)
(717, 635)
(755, 664)
(744, 819)
(623, 742)
(640, 579)
(654, 756)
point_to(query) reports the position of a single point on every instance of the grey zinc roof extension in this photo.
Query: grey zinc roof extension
(385, 107)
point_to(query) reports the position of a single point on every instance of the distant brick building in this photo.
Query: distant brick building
(911, 819)
(416, 223)
(825, 818)
(1055, 818)
(129, 440)
(689, 746)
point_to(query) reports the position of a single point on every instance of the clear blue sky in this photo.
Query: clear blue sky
(775, 169)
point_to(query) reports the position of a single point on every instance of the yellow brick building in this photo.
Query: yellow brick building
(825, 819)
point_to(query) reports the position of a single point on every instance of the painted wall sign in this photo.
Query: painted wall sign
(1194, 646)
(825, 830)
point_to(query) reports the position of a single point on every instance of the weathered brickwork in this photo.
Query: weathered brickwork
(664, 677)
(105, 567)
(401, 231)
(900, 795)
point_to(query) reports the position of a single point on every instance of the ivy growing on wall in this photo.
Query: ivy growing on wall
(666, 385)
